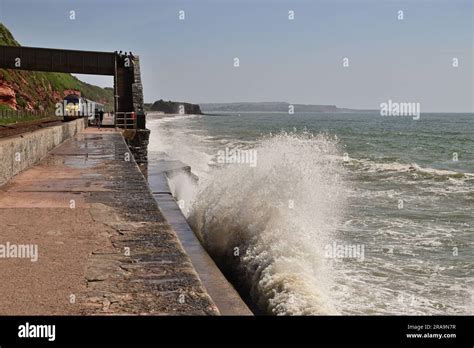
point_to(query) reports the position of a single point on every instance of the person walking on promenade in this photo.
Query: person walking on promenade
(101, 118)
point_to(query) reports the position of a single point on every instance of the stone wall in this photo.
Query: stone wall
(21, 152)
(137, 87)
(138, 144)
(137, 141)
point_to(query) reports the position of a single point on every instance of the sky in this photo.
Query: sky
(297, 61)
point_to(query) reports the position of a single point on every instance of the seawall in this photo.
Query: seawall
(21, 152)
(219, 288)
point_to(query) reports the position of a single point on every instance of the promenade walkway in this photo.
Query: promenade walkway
(103, 247)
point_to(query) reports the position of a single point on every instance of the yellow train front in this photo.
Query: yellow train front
(76, 107)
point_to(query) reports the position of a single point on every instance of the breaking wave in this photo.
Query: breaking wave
(268, 225)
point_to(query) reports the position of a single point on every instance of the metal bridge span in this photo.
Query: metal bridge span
(128, 90)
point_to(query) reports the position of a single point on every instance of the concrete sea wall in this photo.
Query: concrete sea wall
(21, 152)
(221, 291)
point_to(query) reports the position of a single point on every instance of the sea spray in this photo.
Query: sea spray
(401, 246)
(268, 224)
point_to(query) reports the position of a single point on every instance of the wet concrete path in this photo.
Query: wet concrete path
(103, 245)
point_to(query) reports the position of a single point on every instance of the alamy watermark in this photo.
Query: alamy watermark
(345, 251)
(237, 156)
(21, 251)
(391, 108)
(28, 330)
(82, 108)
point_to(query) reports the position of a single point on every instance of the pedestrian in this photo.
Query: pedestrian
(101, 117)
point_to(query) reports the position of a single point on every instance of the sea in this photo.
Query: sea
(331, 213)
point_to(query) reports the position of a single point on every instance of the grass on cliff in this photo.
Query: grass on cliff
(6, 37)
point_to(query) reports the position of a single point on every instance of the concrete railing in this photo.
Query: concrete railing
(20, 152)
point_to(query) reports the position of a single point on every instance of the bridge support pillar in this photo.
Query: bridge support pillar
(130, 90)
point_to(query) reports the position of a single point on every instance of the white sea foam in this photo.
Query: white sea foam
(372, 166)
(171, 137)
(280, 215)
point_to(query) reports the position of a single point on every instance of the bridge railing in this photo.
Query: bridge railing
(126, 120)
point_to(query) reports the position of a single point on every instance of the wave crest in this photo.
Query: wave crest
(269, 224)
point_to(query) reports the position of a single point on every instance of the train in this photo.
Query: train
(76, 107)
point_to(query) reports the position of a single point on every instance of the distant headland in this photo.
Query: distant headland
(173, 107)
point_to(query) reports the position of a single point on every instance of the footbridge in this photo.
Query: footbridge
(128, 90)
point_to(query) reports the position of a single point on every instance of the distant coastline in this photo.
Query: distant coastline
(272, 107)
(172, 108)
(180, 108)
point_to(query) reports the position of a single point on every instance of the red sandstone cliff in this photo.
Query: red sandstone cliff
(7, 95)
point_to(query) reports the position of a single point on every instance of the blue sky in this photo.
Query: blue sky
(298, 61)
